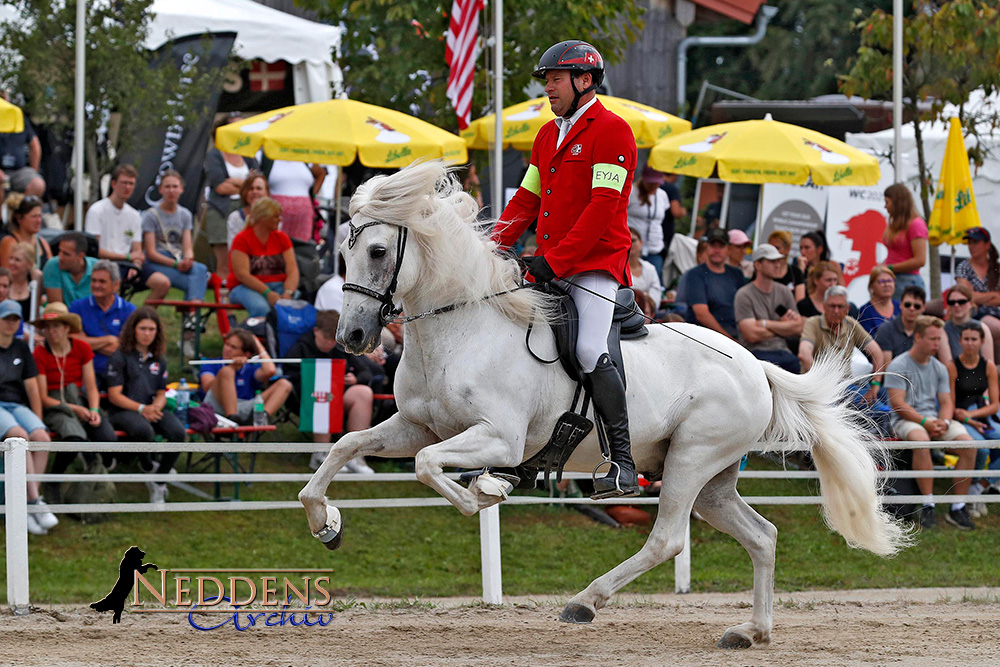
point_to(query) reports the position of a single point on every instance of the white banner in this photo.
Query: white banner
(855, 223)
(795, 208)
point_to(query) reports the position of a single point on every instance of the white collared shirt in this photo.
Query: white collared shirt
(564, 125)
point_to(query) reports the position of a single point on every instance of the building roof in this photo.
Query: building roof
(741, 10)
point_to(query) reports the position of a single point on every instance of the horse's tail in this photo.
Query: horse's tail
(813, 409)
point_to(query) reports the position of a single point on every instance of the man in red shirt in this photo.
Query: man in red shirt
(577, 186)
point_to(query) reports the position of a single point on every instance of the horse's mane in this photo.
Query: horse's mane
(462, 265)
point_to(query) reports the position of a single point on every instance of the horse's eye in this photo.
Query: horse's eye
(377, 252)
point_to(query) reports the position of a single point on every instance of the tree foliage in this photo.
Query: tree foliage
(37, 65)
(393, 53)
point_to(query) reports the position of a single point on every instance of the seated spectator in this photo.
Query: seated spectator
(24, 228)
(254, 187)
(792, 276)
(137, 390)
(881, 307)
(645, 277)
(710, 288)
(765, 311)
(739, 246)
(4, 283)
(330, 295)
(981, 273)
(21, 263)
(226, 174)
(67, 277)
(821, 277)
(18, 391)
(262, 261)
(20, 159)
(166, 234)
(230, 388)
(924, 409)
(813, 249)
(118, 227)
(321, 343)
(959, 307)
(836, 332)
(895, 336)
(67, 385)
(103, 314)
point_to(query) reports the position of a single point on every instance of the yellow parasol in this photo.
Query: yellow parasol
(764, 151)
(955, 203)
(337, 132)
(521, 122)
(11, 117)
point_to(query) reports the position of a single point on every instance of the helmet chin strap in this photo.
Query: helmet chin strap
(577, 94)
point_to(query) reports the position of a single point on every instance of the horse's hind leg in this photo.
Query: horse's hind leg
(682, 480)
(721, 505)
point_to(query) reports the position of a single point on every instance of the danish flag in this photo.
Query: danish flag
(461, 51)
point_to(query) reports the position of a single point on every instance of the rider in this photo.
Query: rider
(577, 186)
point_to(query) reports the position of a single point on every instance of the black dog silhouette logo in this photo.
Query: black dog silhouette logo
(115, 600)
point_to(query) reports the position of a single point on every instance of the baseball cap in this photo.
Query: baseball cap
(651, 176)
(978, 234)
(717, 236)
(738, 237)
(766, 251)
(10, 307)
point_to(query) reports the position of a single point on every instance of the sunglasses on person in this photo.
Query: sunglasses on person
(957, 302)
(912, 305)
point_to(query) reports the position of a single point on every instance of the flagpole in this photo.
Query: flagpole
(497, 176)
(78, 125)
(897, 88)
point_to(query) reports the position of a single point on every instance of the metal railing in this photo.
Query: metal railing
(16, 508)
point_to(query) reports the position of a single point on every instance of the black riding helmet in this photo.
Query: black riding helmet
(577, 57)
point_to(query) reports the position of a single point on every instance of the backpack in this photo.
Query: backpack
(288, 320)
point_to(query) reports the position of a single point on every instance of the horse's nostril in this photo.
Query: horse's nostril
(356, 336)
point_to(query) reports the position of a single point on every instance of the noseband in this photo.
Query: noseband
(389, 311)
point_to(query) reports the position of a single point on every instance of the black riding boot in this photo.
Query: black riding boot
(609, 402)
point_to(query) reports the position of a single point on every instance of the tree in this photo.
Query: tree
(949, 50)
(392, 53)
(38, 64)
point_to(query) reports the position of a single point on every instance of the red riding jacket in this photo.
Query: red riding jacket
(579, 194)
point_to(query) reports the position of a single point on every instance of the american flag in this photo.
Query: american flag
(460, 54)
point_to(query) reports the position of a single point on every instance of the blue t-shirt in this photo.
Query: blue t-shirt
(717, 291)
(871, 319)
(56, 278)
(97, 322)
(246, 382)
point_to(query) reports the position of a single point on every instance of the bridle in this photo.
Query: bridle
(389, 311)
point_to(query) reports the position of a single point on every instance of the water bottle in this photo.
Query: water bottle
(259, 416)
(183, 401)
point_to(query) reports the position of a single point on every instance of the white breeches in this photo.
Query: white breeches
(595, 314)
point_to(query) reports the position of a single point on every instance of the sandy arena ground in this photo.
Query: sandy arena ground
(914, 628)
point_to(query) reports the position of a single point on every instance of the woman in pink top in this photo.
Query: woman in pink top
(906, 239)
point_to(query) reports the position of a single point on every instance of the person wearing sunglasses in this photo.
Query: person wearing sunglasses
(959, 309)
(881, 307)
(895, 336)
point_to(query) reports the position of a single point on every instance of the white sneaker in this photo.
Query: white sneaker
(157, 493)
(47, 520)
(359, 466)
(34, 528)
(316, 460)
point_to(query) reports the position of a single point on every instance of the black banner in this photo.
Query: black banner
(182, 144)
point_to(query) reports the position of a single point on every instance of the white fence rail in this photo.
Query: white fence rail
(16, 508)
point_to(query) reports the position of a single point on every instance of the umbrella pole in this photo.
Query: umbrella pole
(497, 175)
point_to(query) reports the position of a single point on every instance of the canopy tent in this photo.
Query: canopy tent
(261, 33)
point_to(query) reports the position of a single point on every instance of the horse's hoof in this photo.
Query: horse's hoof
(576, 613)
(332, 533)
(734, 640)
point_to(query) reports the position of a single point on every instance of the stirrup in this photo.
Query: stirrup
(618, 491)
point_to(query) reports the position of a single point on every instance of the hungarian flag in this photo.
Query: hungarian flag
(322, 406)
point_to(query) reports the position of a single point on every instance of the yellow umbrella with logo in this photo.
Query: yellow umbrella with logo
(764, 151)
(11, 117)
(521, 122)
(955, 203)
(339, 131)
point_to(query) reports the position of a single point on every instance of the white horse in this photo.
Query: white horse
(471, 395)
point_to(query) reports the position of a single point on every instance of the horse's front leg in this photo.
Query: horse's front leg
(396, 437)
(482, 445)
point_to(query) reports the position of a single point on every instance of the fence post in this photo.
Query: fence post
(489, 546)
(16, 500)
(682, 563)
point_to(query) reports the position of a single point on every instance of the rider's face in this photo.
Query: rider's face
(559, 89)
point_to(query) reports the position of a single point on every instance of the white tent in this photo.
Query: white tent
(261, 33)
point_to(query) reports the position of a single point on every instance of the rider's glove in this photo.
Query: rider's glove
(540, 269)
